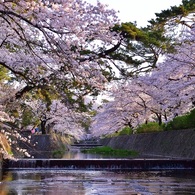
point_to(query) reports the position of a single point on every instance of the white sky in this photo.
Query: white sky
(138, 10)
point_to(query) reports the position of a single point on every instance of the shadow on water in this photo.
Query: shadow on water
(77, 154)
(81, 182)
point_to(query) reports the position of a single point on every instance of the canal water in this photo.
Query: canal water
(76, 154)
(85, 182)
(90, 182)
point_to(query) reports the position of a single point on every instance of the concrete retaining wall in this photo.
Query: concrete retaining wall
(174, 144)
(43, 146)
(46, 144)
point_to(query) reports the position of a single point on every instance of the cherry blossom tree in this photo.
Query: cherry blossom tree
(10, 135)
(125, 110)
(179, 71)
(58, 47)
(58, 118)
(66, 50)
(164, 93)
(58, 44)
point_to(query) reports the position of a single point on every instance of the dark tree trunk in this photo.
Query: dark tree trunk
(159, 116)
(130, 125)
(43, 128)
(165, 117)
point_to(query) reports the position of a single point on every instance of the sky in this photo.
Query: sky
(138, 10)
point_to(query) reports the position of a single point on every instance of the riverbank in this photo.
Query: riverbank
(45, 145)
(168, 144)
(50, 146)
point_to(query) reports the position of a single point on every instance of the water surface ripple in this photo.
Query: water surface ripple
(85, 182)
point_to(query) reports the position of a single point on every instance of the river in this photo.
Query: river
(85, 182)
(98, 182)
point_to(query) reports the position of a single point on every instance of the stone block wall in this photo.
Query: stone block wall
(171, 144)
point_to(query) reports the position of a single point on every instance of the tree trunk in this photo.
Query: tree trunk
(43, 128)
(130, 125)
(159, 119)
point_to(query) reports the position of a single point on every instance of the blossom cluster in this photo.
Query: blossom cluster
(166, 92)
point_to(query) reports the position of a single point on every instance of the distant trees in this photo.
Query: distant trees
(57, 117)
(160, 95)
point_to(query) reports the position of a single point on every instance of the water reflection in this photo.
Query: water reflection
(77, 154)
(80, 182)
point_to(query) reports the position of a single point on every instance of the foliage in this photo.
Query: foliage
(143, 46)
(59, 118)
(58, 153)
(27, 118)
(52, 55)
(175, 13)
(149, 127)
(191, 119)
(55, 60)
(161, 95)
(45, 45)
(182, 122)
(4, 76)
(107, 151)
(125, 131)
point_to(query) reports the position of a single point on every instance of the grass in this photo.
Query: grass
(108, 151)
(57, 154)
(149, 127)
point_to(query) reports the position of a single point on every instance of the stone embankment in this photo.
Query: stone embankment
(171, 144)
(43, 146)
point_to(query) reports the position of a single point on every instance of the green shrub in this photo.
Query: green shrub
(182, 122)
(108, 151)
(149, 127)
(125, 131)
(57, 154)
(191, 119)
